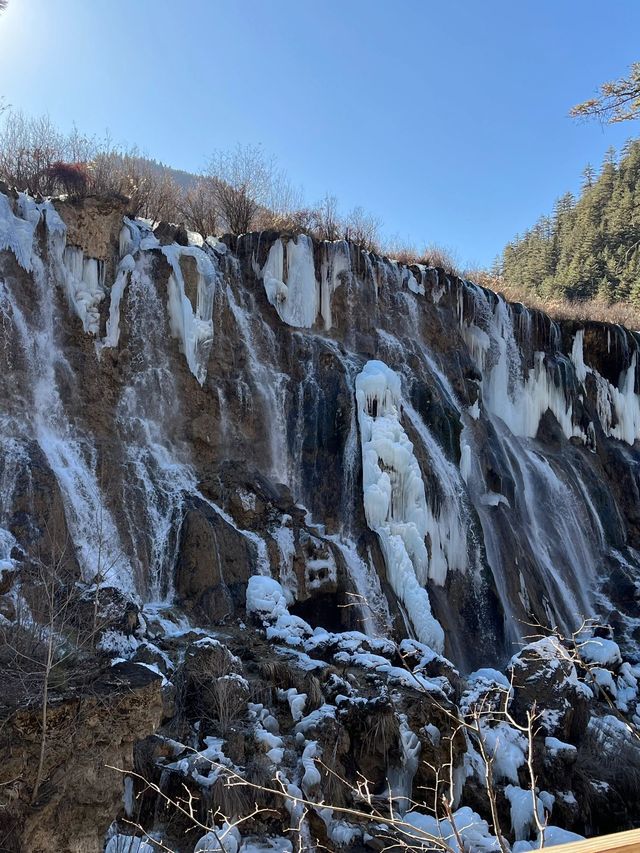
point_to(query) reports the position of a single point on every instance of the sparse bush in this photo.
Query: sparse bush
(402, 251)
(199, 207)
(244, 178)
(326, 219)
(441, 257)
(363, 229)
(69, 178)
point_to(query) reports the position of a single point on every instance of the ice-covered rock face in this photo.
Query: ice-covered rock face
(346, 469)
(307, 410)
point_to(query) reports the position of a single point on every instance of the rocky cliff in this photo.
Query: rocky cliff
(350, 489)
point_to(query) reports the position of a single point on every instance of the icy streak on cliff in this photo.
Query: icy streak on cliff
(16, 232)
(394, 497)
(70, 454)
(619, 404)
(156, 473)
(192, 324)
(290, 284)
(269, 384)
(519, 400)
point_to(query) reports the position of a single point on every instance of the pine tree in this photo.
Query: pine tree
(589, 246)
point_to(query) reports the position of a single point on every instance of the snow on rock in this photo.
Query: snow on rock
(311, 778)
(275, 844)
(129, 844)
(394, 498)
(224, 840)
(557, 747)
(297, 702)
(598, 650)
(266, 599)
(473, 830)
(553, 835)
(508, 747)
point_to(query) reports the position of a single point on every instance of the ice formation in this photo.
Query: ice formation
(191, 315)
(289, 280)
(394, 498)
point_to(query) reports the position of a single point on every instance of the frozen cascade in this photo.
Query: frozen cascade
(159, 471)
(519, 400)
(112, 337)
(84, 284)
(558, 523)
(336, 263)
(447, 519)
(296, 299)
(401, 777)
(394, 497)
(618, 405)
(157, 476)
(70, 455)
(190, 315)
(269, 384)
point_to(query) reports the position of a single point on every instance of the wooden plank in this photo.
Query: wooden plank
(619, 842)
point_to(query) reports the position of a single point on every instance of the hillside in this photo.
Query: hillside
(589, 247)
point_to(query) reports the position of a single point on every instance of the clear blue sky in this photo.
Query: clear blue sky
(448, 120)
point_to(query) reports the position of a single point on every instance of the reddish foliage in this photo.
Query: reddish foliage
(70, 178)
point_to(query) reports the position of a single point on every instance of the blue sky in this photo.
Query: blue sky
(448, 120)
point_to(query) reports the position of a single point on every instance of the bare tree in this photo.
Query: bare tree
(363, 228)
(243, 180)
(28, 147)
(327, 222)
(199, 207)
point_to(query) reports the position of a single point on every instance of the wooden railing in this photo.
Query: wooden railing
(619, 842)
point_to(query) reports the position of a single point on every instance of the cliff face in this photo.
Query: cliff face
(406, 453)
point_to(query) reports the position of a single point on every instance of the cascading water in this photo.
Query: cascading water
(41, 416)
(156, 472)
(480, 503)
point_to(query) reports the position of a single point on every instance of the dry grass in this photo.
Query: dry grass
(581, 310)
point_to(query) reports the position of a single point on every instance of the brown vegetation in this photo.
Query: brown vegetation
(580, 310)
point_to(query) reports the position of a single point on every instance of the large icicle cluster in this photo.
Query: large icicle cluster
(290, 283)
(394, 499)
(618, 406)
(192, 324)
(519, 400)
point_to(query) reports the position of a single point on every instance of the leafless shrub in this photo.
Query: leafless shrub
(199, 207)
(153, 196)
(363, 229)
(400, 250)
(244, 179)
(28, 149)
(283, 207)
(441, 257)
(327, 224)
